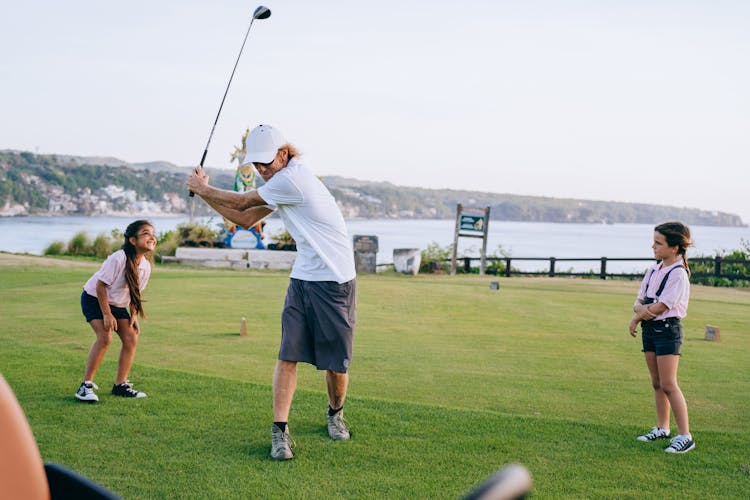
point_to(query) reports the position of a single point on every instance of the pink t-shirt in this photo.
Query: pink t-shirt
(676, 293)
(112, 273)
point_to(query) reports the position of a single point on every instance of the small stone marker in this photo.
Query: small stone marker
(712, 333)
(243, 327)
(365, 253)
(494, 285)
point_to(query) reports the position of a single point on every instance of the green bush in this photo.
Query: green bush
(282, 241)
(102, 246)
(79, 245)
(196, 234)
(166, 244)
(436, 259)
(727, 268)
(55, 248)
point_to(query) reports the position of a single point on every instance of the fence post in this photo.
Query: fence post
(507, 267)
(467, 264)
(552, 267)
(603, 270)
(717, 266)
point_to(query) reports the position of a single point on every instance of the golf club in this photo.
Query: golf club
(260, 13)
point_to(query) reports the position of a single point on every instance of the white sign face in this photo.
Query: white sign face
(244, 239)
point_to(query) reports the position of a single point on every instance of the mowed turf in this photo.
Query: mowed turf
(451, 380)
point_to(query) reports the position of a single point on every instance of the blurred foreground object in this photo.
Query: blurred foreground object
(511, 482)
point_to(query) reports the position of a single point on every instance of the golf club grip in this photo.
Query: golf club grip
(203, 158)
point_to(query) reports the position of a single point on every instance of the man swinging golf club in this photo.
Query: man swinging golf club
(319, 314)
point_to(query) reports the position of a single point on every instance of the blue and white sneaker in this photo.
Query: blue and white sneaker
(682, 443)
(86, 392)
(656, 433)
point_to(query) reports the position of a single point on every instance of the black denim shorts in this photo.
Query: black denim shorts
(91, 310)
(662, 337)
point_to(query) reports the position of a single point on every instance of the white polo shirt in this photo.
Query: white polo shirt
(310, 214)
(112, 273)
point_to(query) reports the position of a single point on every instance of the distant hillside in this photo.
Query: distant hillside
(61, 184)
(382, 199)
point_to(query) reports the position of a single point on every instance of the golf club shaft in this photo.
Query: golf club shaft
(205, 151)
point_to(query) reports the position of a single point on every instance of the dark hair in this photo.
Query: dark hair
(131, 268)
(677, 234)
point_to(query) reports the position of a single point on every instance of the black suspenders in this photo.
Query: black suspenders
(649, 300)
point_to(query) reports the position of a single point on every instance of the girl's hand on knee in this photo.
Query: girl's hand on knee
(110, 323)
(134, 325)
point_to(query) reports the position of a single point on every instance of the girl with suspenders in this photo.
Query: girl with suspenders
(662, 301)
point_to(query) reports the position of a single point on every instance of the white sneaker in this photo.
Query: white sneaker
(656, 433)
(86, 392)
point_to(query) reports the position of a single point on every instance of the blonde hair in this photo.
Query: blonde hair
(291, 151)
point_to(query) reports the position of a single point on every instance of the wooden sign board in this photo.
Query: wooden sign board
(712, 333)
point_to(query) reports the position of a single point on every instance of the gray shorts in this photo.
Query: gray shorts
(317, 323)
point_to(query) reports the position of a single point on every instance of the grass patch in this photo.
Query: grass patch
(450, 381)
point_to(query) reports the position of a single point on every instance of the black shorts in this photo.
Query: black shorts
(317, 323)
(662, 337)
(91, 309)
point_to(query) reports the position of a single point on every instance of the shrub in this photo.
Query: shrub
(282, 241)
(79, 245)
(166, 244)
(195, 234)
(727, 268)
(55, 248)
(102, 246)
(436, 259)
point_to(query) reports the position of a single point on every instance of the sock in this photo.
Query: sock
(332, 412)
(280, 425)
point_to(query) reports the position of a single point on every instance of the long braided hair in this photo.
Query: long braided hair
(677, 233)
(131, 267)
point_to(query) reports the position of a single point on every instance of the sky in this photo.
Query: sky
(634, 101)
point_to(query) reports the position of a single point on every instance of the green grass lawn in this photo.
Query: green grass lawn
(450, 381)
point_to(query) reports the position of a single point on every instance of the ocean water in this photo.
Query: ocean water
(516, 239)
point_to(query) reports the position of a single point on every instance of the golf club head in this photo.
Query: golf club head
(262, 12)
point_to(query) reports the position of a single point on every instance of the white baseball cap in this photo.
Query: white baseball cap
(262, 144)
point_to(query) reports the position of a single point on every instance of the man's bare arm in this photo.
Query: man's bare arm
(198, 184)
(244, 218)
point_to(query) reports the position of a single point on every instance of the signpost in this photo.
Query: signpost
(471, 223)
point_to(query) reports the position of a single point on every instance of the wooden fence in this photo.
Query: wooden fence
(602, 262)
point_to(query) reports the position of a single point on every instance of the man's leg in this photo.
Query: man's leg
(284, 385)
(337, 384)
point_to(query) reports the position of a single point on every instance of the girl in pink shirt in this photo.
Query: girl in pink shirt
(661, 303)
(111, 301)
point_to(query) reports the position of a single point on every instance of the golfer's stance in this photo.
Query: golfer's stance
(317, 322)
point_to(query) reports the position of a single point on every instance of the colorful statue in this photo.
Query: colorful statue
(244, 180)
